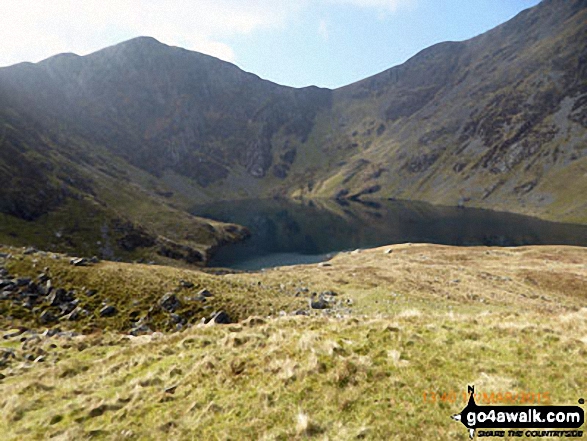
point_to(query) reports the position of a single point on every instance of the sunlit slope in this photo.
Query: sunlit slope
(425, 321)
(497, 121)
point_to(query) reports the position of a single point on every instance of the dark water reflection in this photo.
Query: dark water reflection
(286, 232)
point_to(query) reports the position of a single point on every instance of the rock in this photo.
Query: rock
(176, 318)
(324, 264)
(170, 302)
(205, 293)
(51, 332)
(29, 250)
(79, 261)
(7, 285)
(185, 284)
(60, 296)
(42, 278)
(7, 353)
(67, 307)
(42, 290)
(23, 281)
(77, 314)
(94, 259)
(318, 302)
(4, 272)
(91, 292)
(170, 389)
(30, 300)
(142, 329)
(47, 317)
(301, 312)
(220, 318)
(39, 359)
(388, 251)
(108, 311)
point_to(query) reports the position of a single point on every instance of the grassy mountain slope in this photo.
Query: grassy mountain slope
(497, 121)
(135, 134)
(425, 322)
(61, 193)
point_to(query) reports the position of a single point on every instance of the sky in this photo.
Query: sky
(328, 43)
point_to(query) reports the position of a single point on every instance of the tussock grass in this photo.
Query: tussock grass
(393, 370)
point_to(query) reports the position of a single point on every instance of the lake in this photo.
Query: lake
(291, 232)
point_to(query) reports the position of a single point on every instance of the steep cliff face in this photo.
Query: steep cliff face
(164, 107)
(498, 121)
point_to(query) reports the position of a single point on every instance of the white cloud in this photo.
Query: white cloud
(323, 29)
(32, 30)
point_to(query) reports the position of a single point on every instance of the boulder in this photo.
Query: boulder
(67, 307)
(176, 318)
(76, 314)
(205, 293)
(108, 311)
(7, 285)
(78, 261)
(59, 296)
(170, 302)
(42, 278)
(318, 302)
(23, 281)
(220, 318)
(141, 329)
(47, 317)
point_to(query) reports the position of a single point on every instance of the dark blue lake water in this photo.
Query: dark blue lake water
(287, 232)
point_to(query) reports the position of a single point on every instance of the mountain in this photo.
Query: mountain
(498, 121)
(107, 152)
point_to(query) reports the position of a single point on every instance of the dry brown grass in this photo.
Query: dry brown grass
(385, 371)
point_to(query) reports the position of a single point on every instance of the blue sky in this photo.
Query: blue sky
(329, 43)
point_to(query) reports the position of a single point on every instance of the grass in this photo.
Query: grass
(136, 289)
(297, 378)
(393, 367)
